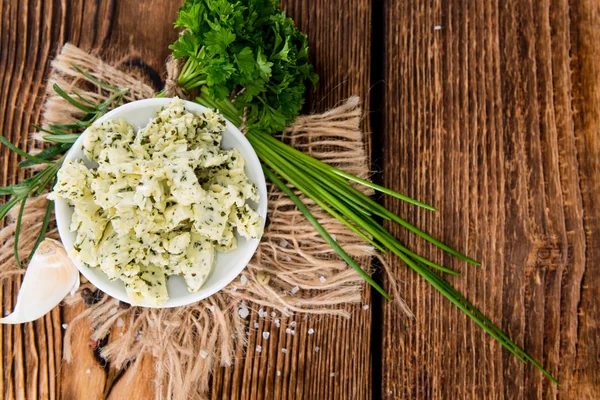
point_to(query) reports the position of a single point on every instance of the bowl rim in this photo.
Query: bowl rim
(63, 221)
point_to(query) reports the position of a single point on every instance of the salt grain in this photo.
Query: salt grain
(311, 331)
(262, 313)
(293, 324)
(277, 323)
(437, 28)
(284, 243)
(322, 279)
(234, 289)
(293, 332)
(288, 330)
(266, 335)
(113, 310)
(366, 307)
(243, 280)
(117, 302)
(273, 314)
(332, 375)
(284, 351)
(120, 322)
(295, 290)
(278, 373)
(258, 348)
(64, 326)
(256, 325)
(88, 371)
(317, 349)
(287, 258)
(334, 237)
(212, 308)
(243, 312)
(203, 353)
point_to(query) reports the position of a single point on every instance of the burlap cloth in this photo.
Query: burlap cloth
(293, 271)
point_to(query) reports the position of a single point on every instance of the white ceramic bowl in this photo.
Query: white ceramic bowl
(228, 265)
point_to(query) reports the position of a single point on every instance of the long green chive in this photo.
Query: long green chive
(313, 221)
(326, 187)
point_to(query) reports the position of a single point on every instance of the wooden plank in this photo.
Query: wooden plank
(340, 48)
(498, 132)
(32, 357)
(27, 32)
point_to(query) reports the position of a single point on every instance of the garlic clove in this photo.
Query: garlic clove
(49, 278)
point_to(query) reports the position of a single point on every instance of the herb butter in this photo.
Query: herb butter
(161, 201)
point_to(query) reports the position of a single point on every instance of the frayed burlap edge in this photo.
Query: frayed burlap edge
(293, 271)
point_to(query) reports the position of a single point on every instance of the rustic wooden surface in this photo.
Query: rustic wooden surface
(489, 110)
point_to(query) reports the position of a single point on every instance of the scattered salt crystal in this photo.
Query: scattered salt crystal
(366, 307)
(288, 330)
(277, 323)
(212, 308)
(203, 353)
(121, 334)
(317, 349)
(6, 313)
(285, 310)
(243, 280)
(293, 332)
(437, 28)
(278, 373)
(262, 313)
(113, 310)
(64, 326)
(334, 237)
(284, 351)
(247, 333)
(284, 243)
(117, 302)
(287, 258)
(332, 374)
(258, 348)
(311, 331)
(88, 371)
(295, 289)
(243, 312)
(234, 289)
(273, 314)
(390, 393)
(120, 322)
(293, 324)
(266, 335)
(255, 324)
(322, 279)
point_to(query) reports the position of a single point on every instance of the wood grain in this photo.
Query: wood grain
(494, 109)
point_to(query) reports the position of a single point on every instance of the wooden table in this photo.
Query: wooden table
(488, 109)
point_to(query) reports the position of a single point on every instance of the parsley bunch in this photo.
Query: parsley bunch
(244, 56)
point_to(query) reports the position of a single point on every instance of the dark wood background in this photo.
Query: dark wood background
(488, 109)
